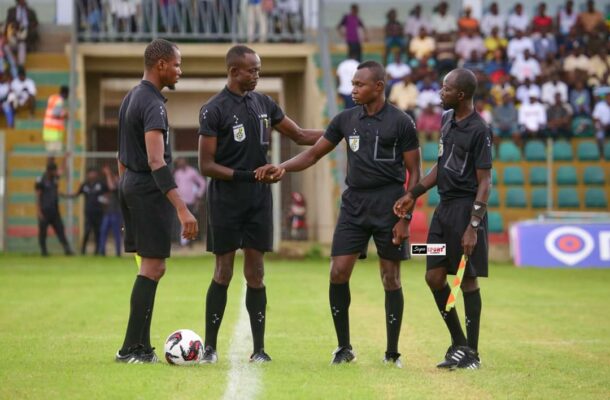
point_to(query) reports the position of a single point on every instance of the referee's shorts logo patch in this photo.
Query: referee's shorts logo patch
(428, 249)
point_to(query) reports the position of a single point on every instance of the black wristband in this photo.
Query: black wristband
(243, 176)
(418, 190)
(164, 179)
(479, 209)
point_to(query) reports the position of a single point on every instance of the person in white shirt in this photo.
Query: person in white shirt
(396, 70)
(415, 22)
(517, 21)
(553, 86)
(25, 92)
(469, 43)
(532, 117)
(6, 100)
(518, 44)
(442, 21)
(601, 119)
(493, 19)
(566, 18)
(526, 67)
(345, 72)
(526, 90)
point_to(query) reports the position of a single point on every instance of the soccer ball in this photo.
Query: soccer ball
(183, 347)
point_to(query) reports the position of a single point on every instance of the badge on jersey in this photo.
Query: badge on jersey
(440, 147)
(239, 133)
(354, 143)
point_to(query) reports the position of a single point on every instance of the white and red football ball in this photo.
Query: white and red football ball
(183, 347)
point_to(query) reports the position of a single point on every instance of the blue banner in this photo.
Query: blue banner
(560, 244)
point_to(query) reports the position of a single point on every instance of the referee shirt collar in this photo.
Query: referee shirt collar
(462, 123)
(378, 115)
(235, 97)
(154, 88)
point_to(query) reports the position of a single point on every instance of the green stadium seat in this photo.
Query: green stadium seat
(513, 176)
(607, 150)
(566, 175)
(494, 222)
(494, 177)
(562, 151)
(433, 197)
(568, 198)
(538, 176)
(594, 175)
(588, 151)
(430, 151)
(535, 151)
(494, 198)
(509, 152)
(539, 198)
(493, 152)
(515, 198)
(596, 198)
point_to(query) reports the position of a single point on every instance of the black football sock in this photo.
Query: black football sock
(472, 308)
(451, 318)
(146, 332)
(140, 314)
(339, 296)
(215, 303)
(394, 304)
(256, 304)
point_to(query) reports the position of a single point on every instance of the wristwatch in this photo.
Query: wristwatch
(408, 217)
(475, 224)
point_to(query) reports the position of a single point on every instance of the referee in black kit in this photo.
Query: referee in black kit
(463, 176)
(148, 192)
(382, 143)
(235, 132)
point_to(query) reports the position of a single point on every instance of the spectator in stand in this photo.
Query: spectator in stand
(501, 88)
(552, 87)
(170, 15)
(422, 45)
(542, 23)
(21, 30)
(532, 118)
(580, 99)
(504, 120)
(257, 18)
(559, 118)
(6, 100)
(494, 42)
(517, 21)
(497, 67)
(446, 59)
(404, 95)
(599, 68)
(525, 67)
(124, 15)
(415, 22)
(481, 107)
(566, 18)
(594, 42)
(429, 122)
(349, 28)
(394, 38)
(576, 64)
(526, 91)
(467, 23)
(544, 43)
(470, 42)
(25, 92)
(112, 220)
(7, 58)
(345, 72)
(591, 21)
(474, 62)
(442, 21)
(566, 44)
(191, 187)
(492, 20)
(396, 70)
(54, 123)
(483, 84)
(428, 92)
(601, 119)
(518, 44)
(550, 65)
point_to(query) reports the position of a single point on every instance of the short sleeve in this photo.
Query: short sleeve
(155, 117)
(407, 135)
(274, 112)
(209, 120)
(482, 149)
(333, 132)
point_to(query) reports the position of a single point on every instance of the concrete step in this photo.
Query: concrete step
(49, 77)
(48, 61)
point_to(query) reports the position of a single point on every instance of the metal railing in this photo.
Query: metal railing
(188, 20)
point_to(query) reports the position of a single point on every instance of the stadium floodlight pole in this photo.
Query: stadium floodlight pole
(71, 124)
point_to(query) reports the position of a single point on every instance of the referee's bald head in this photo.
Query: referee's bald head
(236, 54)
(464, 81)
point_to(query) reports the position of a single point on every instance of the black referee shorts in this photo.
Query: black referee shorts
(449, 222)
(240, 215)
(366, 213)
(148, 216)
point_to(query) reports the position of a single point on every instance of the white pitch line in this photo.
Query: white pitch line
(243, 381)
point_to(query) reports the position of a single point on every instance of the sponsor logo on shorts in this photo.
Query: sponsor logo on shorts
(428, 249)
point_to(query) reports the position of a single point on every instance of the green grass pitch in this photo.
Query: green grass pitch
(545, 333)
